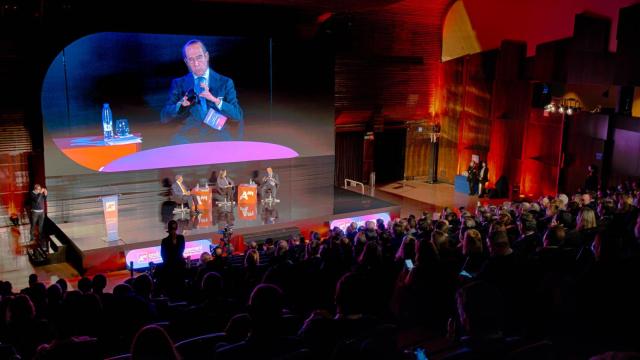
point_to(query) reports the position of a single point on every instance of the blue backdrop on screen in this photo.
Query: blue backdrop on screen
(134, 74)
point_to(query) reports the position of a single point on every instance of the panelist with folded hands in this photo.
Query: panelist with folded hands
(202, 100)
(225, 185)
(182, 194)
(270, 182)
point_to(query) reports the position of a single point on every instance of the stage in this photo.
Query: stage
(415, 196)
(299, 211)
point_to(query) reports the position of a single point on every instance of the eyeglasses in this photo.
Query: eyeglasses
(193, 60)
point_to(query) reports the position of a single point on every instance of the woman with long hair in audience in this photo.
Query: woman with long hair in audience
(407, 250)
(474, 255)
(586, 226)
(153, 343)
(252, 274)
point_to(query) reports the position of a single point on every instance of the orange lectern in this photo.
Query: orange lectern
(204, 197)
(247, 194)
(205, 200)
(247, 211)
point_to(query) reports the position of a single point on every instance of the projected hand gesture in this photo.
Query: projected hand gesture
(184, 102)
(207, 95)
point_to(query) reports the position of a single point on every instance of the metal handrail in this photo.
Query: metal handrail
(349, 182)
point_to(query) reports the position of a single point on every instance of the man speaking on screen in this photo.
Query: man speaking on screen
(203, 100)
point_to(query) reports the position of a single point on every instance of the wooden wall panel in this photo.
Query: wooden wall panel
(451, 97)
(14, 185)
(15, 153)
(418, 152)
(475, 118)
(510, 109)
(389, 58)
(510, 112)
(541, 153)
(388, 63)
(349, 156)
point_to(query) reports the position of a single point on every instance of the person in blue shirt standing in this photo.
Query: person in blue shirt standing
(194, 95)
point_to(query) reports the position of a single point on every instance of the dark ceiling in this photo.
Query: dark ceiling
(319, 5)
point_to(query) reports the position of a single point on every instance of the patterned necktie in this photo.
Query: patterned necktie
(199, 89)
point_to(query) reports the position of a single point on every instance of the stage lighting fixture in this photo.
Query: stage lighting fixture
(564, 106)
(551, 108)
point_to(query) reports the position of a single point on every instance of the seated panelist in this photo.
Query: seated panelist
(270, 182)
(182, 194)
(225, 185)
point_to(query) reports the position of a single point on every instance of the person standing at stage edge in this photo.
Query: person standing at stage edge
(38, 197)
(472, 177)
(194, 95)
(172, 271)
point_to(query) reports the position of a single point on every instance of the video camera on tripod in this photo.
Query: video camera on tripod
(226, 233)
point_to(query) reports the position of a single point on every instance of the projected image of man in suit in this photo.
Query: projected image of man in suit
(201, 93)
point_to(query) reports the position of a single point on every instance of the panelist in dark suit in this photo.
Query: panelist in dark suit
(472, 177)
(225, 185)
(181, 194)
(214, 92)
(270, 182)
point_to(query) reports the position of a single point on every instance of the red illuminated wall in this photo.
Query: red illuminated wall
(541, 151)
(533, 21)
(475, 117)
(574, 58)
(510, 111)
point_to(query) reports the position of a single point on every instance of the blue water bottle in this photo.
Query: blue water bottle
(107, 122)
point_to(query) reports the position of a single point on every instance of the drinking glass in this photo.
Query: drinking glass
(122, 127)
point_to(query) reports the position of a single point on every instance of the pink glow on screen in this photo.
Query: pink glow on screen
(142, 257)
(360, 220)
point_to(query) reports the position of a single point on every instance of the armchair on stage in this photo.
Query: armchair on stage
(180, 202)
(224, 190)
(223, 196)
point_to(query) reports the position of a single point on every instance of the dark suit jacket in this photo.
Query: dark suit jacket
(176, 190)
(485, 176)
(275, 178)
(192, 129)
